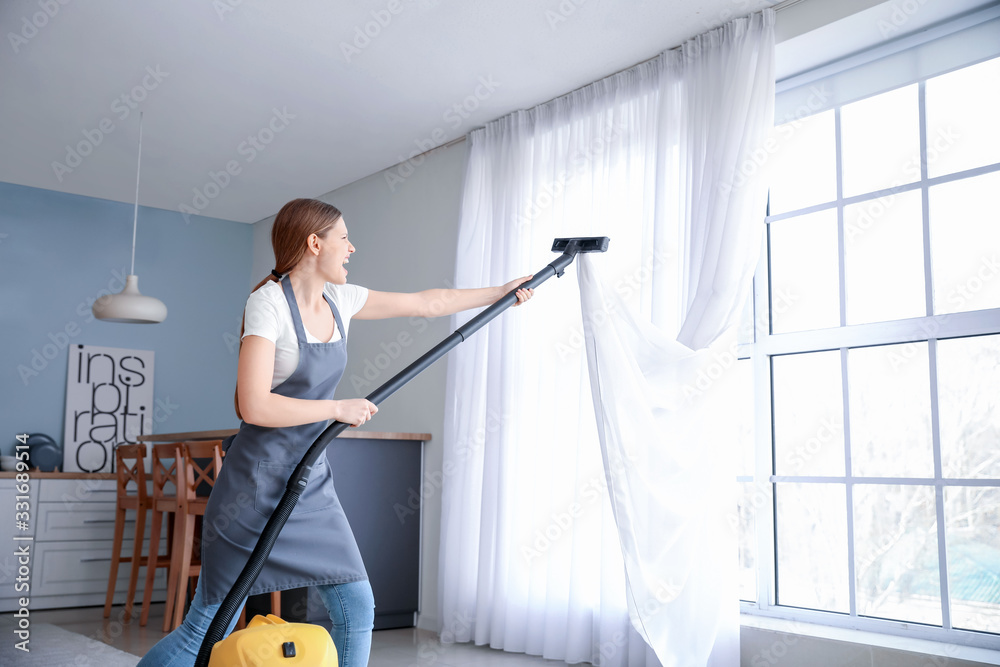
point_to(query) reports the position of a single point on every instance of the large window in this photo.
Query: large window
(873, 499)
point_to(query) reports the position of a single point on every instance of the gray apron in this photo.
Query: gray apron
(316, 546)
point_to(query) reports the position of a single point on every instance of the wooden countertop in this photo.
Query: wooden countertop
(225, 433)
(38, 474)
(207, 435)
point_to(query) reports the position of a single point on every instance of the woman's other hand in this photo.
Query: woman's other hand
(522, 294)
(355, 411)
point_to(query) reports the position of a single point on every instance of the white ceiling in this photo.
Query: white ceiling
(225, 66)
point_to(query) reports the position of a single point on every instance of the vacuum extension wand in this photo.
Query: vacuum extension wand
(569, 247)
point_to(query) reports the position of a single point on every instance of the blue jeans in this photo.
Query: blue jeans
(351, 607)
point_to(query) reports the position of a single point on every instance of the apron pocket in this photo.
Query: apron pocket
(272, 478)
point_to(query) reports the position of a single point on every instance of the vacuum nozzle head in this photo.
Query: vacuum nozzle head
(576, 244)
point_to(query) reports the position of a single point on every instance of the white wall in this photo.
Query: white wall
(406, 240)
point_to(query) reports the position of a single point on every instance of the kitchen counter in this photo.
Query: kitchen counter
(38, 474)
(225, 433)
(208, 435)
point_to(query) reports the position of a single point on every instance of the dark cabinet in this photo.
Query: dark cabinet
(378, 482)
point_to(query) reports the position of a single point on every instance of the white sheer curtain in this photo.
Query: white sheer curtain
(665, 422)
(663, 158)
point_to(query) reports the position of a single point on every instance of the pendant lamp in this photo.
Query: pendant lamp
(129, 306)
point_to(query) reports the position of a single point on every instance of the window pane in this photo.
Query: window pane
(804, 169)
(896, 553)
(808, 414)
(965, 244)
(969, 403)
(805, 290)
(746, 333)
(749, 501)
(811, 537)
(972, 515)
(881, 141)
(742, 405)
(884, 259)
(962, 111)
(890, 398)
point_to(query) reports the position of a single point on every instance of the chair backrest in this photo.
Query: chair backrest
(130, 466)
(202, 463)
(166, 459)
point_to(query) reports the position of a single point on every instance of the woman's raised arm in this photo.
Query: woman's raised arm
(436, 302)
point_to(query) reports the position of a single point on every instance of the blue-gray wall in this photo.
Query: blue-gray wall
(59, 252)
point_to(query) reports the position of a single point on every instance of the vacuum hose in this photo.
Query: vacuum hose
(300, 476)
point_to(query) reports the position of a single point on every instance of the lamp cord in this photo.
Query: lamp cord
(135, 214)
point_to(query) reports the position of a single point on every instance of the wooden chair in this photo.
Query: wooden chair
(132, 494)
(166, 459)
(201, 463)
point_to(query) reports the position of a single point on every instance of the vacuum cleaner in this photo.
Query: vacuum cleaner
(269, 640)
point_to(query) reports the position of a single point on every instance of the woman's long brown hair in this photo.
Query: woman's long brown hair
(295, 222)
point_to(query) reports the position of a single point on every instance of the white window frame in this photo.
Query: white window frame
(930, 328)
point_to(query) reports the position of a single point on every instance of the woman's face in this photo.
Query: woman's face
(335, 250)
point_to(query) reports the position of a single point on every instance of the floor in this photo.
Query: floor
(390, 648)
(420, 648)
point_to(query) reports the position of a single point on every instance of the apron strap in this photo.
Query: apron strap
(300, 331)
(336, 317)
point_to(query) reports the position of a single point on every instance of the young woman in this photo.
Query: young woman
(292, 355)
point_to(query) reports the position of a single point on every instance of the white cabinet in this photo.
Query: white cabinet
(72, 525)
(14, 539)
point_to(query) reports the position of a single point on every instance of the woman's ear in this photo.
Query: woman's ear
(312, 244)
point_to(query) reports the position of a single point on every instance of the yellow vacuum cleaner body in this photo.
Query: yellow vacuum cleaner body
(271, 642)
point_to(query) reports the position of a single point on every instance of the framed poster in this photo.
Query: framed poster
(109, 402)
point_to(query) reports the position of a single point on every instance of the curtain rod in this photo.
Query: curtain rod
(777, 8)
(786, 4)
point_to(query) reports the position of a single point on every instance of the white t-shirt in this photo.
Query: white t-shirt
(267, 315)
